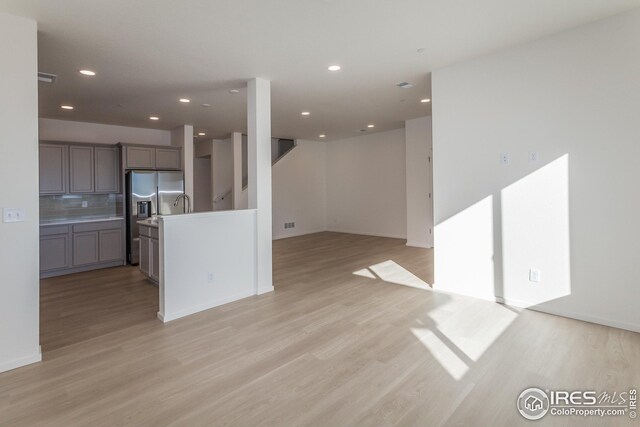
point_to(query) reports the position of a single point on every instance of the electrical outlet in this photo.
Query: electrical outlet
(534, 275)
(85, 203)
(533, 156)
(210, 277)
(504, 159)
(13, 215)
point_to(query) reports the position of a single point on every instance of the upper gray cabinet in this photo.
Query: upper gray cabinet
(168, 158)
(152, 157)
(140, 157)
(106, 170)
(54, 168)
(81, 167)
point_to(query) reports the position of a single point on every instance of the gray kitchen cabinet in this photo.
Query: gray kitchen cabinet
(106, 170)
(140, 157)
(54, 252)
(81, 167)
(168, 158)
(154, 259)
(144, 255)
(85, 248)
(80, 246)
(54, 168)
(110, 245)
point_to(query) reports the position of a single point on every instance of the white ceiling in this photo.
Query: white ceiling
(149, 53)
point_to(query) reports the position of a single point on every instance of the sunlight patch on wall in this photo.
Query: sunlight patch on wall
(535, 235)
(464, 251)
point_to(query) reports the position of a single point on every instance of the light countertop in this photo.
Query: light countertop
(149, 222)
(79, 220)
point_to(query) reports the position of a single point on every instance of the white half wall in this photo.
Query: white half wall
(194, 245)
(69, 131)
(366, 185)
(419, 175)
(572, 100)
(299, 190)
(19, 253)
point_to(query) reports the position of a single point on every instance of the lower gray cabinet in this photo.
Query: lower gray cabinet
(144, 255)
(54, 252)
(85, 248)
(82, 246)
(110, 245)
(154, 255)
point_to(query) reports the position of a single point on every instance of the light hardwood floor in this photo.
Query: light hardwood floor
(327, 348)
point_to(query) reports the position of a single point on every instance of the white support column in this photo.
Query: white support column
(419, 176)
(259, 186)
(236, 140)
(182, 136)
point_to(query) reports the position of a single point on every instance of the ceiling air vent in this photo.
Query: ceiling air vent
(46, 77)
(404, 85)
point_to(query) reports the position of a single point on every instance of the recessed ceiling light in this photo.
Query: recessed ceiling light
(87, 72)
(66, 107)
(425, 100)
(206, 105)
(154, 118)
(371, 126)
(185, 100)
(322, 135)
(334, 68)
(305, 113)
(234, 91)
(201, 133)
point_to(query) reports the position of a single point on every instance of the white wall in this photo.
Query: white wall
(192, 246)
(64, 130)
(573, 98)
(299, 190)
(419, 176)
(222, 163)
(182, 136)
(366, 185)
(19, 254)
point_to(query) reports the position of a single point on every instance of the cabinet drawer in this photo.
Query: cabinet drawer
(151, 232)
(97, 226)
(52, 230)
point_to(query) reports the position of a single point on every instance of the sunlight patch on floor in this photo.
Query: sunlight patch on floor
(392, 272)
(441, 352)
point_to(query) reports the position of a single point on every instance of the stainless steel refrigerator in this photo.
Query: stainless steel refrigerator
(150, 193)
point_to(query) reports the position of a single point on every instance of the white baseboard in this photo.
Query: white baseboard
(296, 234)
(265, 290)
(366, 233)
(23, 361)
(414, 244)
(571, 315)
(167, 317)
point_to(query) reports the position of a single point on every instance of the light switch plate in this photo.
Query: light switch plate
(13, 215)
(534, 275)
(504, 159)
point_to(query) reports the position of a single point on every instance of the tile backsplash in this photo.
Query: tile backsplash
(70, 206)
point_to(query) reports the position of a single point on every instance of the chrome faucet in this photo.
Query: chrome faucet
(187, 198)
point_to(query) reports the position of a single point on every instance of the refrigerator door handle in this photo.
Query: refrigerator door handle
(157, 200)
